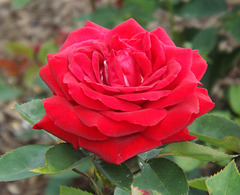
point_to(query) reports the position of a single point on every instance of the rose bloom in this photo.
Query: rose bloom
(121, 92)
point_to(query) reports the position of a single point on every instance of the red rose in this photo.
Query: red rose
(121, 92)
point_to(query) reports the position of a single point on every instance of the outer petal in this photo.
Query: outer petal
(205, 103)
(59, 110)
(177, 118)
(181, 136)
(59, 67)
(117, 150)
(46, 75)
(163, 36)
(47, 124)
(83, 34)
(95, 26)
(199, 65)
(106, 125)
(183, 57)
(144, 117)
(125, 30)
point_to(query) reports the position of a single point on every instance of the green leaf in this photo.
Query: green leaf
(64, 190)
(203, 8)
(234, 97)
(119, 191)
(196, 151)
(9, 93)
(199, 183)
(61, 158)
(30, 75)
(217, 130)
(205, 40)
(161, 175)
(187, 164)
(119, 175)
(232, 26)
(46, 48)
(16, 48)
(32, 111)
(149, 154)
(226, 182)
(16, 164)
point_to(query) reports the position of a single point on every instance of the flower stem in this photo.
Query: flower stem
(99, 192)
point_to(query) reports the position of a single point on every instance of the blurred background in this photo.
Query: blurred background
(30, 29)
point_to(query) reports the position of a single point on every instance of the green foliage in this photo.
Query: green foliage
(46, 48)
(161, 175)
(19, 3)
(198, 9)
(119, 175)
(16, 164)
(16, 48)
(199, 183)
(187, 164)
(56, 163)
(234, 98)
(111, 16)
(9, 92)
(225, 182)
(149, 154)
(232, 26)
(32, 111)
(64, 178)
(196, 151)
(205, 40)
(217, 130)
(64, 190)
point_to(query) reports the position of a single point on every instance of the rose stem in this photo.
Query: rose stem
(87, 176)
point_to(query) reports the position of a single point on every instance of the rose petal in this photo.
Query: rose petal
(97, 27)
(148, 95)
(181, 136)
(173, 69)
(78, 96)
(83, 34)
(184, 90)
(158, 54)
(46, 75)
(97, 64)
(117, 43)
(177, 118)
(140, 41)
(157, 76)
(125, 30)
(144, 64)
(47, 124)
(111, 102)
(59, 110)
(205, 103)
(117, 150)
(105, 89)
(144, 117)
(105, 125)
(163, 36)
(85, 63)
(58, 65)
(199, 65)
(183, 57)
